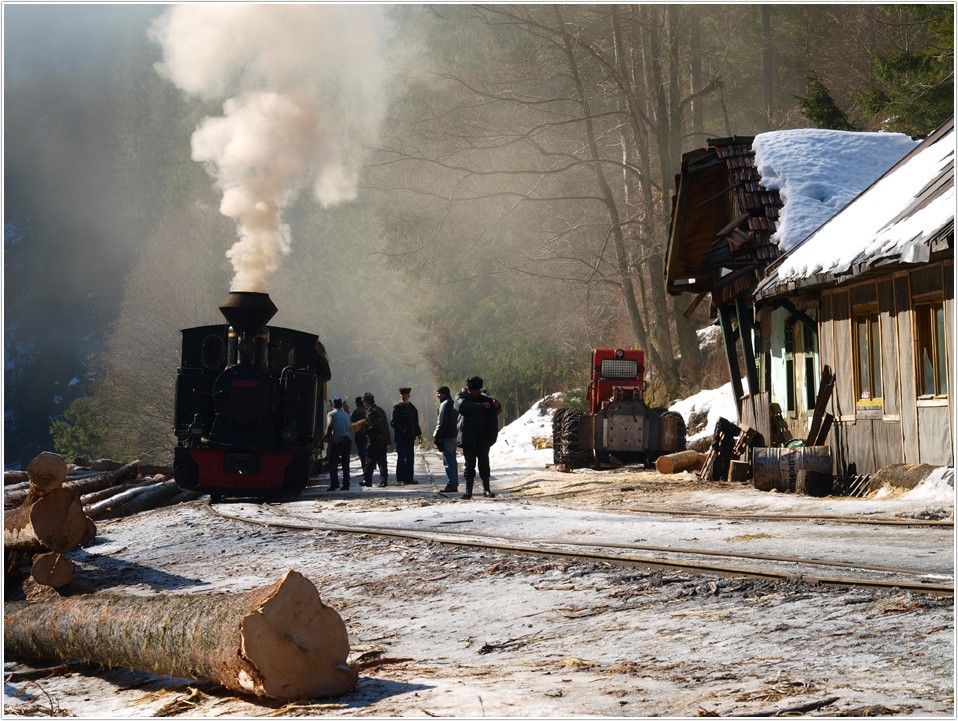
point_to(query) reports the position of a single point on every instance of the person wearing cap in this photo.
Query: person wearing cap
(445, 437)
(478, 428)
(340, 443)
(359, 436)
(406, 431)
(377, 441)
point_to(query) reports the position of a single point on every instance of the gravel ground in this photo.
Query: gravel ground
(469, 632)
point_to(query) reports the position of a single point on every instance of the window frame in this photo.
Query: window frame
(871, 316)
(932, 309)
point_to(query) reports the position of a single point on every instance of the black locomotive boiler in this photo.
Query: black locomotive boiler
(247, 398)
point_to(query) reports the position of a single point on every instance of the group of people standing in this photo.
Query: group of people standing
(468, 421)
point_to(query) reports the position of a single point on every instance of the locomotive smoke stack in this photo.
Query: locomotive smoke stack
(247, 312)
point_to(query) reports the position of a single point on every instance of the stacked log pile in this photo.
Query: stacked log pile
(50, 508)
(48, 522)
(280, 641)
(729, 452)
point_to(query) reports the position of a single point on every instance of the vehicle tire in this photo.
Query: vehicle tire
(568, 452)
(672, 437)
(557, 435)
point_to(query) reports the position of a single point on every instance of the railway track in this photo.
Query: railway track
(690, 560)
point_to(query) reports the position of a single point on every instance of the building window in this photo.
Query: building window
(810, 347)
(930, 335)
(789, 348)
(867, 350)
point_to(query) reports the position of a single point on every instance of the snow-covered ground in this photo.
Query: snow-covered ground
(477, 632)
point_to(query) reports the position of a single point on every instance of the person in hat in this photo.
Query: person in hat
(359, 436)
(340, 443)
(406, 431)
(478, 428)
(377, 441)
(445, 437)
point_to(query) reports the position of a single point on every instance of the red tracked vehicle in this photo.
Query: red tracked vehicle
(617, 427)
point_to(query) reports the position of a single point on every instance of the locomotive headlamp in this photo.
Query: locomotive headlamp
(246, 347)
(619, 353)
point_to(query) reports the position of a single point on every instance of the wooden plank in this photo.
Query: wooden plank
(823, 431)
(825, 386)
(843, 367)
(891, 369)
(909, 390)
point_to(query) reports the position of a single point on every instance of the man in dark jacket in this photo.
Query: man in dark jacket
(406, 431)
(478, 427)
(445, 437)
(359, 436)
(377, 441)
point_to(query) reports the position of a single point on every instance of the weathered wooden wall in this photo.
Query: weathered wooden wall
(905, 429)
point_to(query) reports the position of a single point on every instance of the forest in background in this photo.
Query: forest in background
(511, 212)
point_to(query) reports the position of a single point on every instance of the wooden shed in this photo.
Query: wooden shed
(870, 294)
(719, 245)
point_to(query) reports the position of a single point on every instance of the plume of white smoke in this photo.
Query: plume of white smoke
(302, 92)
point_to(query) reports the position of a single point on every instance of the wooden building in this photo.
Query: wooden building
(870, 295)
(784, 320)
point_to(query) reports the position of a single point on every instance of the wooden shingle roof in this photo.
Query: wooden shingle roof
(722, 219)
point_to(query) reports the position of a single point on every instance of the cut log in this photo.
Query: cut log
(102, 508)
(86, 484)
(88, 499)
(681, 461)
(47, 472)
(52, 569)
(105, 479)
(15, 477)
(55, 522)
(280, 642)
(151, 497)
(100, 464)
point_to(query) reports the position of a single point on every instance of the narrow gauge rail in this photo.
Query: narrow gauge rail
(687, 560)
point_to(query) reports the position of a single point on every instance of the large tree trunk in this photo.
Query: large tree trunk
(281, 641)
(55, 522)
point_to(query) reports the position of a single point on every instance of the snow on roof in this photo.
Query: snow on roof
(818, 172)
(887, 219)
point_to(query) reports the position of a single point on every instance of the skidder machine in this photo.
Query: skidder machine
(618, 427)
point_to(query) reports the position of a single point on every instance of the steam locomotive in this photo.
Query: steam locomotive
(247, 399)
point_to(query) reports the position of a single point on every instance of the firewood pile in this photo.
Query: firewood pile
(729, 455)
(52, 508)
(279, 641)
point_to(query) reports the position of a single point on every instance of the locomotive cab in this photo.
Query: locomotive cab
(246, 403)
